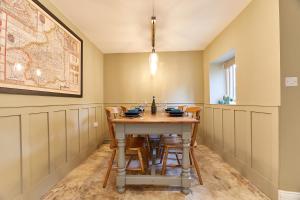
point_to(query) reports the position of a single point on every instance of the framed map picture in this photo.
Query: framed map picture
(39, 55)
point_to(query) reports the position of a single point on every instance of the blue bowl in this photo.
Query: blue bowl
(132, 112)
(169, 109)
(176, 111)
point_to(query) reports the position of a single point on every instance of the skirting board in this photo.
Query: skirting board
(286, 195)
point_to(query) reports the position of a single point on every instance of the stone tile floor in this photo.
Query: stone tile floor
(221, 182)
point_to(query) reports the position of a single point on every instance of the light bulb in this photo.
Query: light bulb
(153, 61)
(38, 72)
(18, 66)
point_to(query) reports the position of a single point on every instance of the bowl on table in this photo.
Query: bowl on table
(132, 113)
(176, 113)
(169, 109)
(140, 109)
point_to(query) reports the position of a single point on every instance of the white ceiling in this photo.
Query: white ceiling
(122, 26)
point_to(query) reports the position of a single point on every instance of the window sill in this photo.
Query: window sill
(231, 103)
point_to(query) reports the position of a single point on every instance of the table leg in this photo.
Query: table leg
(186, 175)
(120, 135)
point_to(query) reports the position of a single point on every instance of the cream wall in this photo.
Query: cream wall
(254, 35)
(178, 80)
(290, 109)
(246, 135)
(43, 138)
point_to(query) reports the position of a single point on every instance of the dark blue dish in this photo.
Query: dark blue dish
(133, 111)
(176, 115)
(176, 111)
(132, 116)
(139, 109)
(169, 109)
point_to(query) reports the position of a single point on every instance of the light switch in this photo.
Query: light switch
(95, 124)
(291, 81)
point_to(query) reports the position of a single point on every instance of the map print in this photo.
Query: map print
(36, 52)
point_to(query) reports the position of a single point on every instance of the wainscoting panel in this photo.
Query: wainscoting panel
(209, 125)
(73, 134)
(228, 131)
(84, 130)
(261, 134)
(39, 145)
(92, 129)
(58, 131)
(10, 157)
(241, 136)
(218, 128)
(247, 138)
(101, 124)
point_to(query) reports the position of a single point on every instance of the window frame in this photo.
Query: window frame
(230, 77)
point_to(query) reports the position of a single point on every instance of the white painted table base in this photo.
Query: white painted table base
(183, 181)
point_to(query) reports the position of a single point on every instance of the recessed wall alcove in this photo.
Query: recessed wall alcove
(217, 77)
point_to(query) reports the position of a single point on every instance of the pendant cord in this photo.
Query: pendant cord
(153, 8)
(153, 21)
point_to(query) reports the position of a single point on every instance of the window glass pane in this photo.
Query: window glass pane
(234, 82)
(227, 81)
(231, 82)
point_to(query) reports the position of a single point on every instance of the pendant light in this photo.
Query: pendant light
(153, 58)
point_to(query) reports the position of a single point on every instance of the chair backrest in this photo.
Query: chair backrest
(195, 112)
(182, 107)
(112, 113)
(124, 109)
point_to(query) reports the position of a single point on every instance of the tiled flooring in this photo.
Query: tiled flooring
(220, 182)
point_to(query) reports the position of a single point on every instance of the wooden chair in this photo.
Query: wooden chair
(175, 144)
(134, 145)
(170, 137)
(182, 107)
(124, 109)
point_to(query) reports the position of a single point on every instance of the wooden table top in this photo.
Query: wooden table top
(159, 117)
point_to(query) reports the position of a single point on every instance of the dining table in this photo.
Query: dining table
(154, 124)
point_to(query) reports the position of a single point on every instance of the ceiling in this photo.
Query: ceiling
(123, 26)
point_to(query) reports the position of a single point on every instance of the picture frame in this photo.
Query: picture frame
(77, 73)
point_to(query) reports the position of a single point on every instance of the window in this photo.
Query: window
(230, 68)
(222, 79)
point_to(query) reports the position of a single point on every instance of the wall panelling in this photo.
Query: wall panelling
(39, 145)
(247, 138)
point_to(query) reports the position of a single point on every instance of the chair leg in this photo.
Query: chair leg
(165, 159)
(111, 162)
(141, 161)
(196, 166)
(162, 155)
(148, 143)
(147, 156)
(190, 156)
(158, 153)
(177, 158)
(160, 149)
